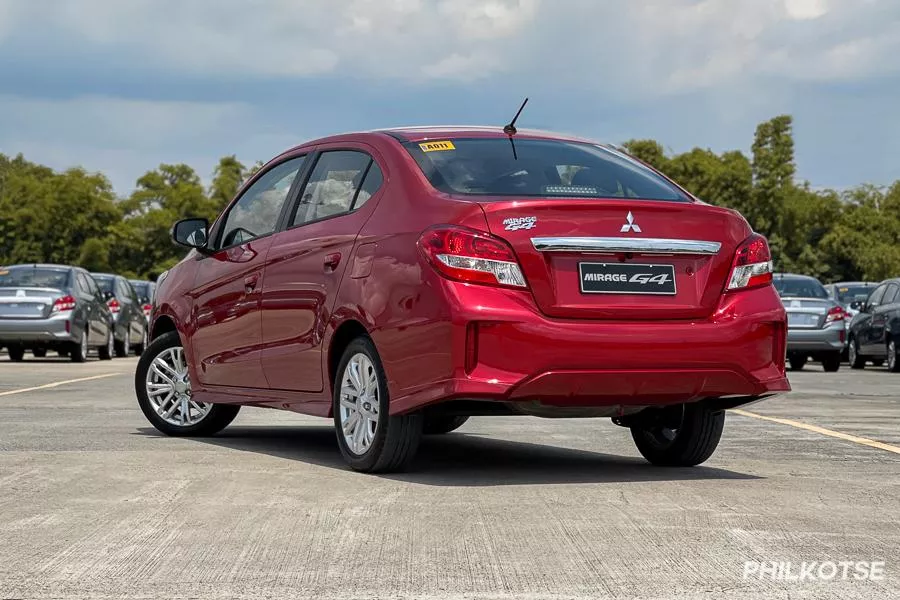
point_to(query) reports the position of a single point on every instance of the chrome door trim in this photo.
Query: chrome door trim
(624, 244)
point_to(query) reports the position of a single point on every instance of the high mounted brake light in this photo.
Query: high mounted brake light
(752, 265)
(472, 256)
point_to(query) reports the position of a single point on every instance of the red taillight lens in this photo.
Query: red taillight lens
(835, 314)
(752, 265)
(63, 304)
(113, 305)
(147, 308)
(471, 256)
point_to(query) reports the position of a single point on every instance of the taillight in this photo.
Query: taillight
(752, 265)
(147, 308)
(63, 304)
(113, 305)
(471, 256)
(835, 314)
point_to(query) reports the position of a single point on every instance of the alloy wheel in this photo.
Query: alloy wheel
(111, 343)
(851, 352)
(359, 404)
(84, 343)
(892, 356)
(169, 390)
(127, 342)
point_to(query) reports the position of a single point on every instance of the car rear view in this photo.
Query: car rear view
(599, 288)
(816, 323)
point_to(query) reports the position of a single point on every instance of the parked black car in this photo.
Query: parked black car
(53, 307)
(131, 324)
(875, 331)
(144, 291)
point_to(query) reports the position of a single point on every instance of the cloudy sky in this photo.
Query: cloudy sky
(120, 86)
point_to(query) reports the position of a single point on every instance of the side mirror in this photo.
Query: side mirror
(193, 233)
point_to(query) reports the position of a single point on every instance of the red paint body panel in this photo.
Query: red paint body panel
(548, 342)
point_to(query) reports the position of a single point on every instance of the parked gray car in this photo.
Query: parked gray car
(127, 311)
(53, 307)
(816, 323)
(145, 290)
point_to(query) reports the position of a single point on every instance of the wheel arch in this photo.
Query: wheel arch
(346, 332)
(162, 324)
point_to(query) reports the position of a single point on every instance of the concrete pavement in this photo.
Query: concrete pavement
(95, 504)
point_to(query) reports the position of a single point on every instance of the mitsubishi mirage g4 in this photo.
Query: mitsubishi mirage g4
(401, 281)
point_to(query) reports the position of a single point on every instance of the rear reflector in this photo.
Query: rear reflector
(752, 265)
(63, 304)
(467, 255)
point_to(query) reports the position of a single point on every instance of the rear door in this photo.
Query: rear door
(878, 329)
(867, 330)
(227, 338)
(308, 260)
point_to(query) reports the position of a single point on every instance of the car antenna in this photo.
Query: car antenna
(510, 129)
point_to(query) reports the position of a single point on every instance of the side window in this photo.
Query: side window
(120, 290)
(877, 295)
(256, 212)
(332, 186)
(83, 285)
(371, 183)
(890, 295)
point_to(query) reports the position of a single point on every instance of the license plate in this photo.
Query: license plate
(626, 278)
(802, 320)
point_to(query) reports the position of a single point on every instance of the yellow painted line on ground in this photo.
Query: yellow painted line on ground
(47, 386)
(835, 434)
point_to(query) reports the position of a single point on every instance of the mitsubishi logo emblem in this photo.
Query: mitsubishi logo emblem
(630, 225)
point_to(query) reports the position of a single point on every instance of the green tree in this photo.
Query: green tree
(227, 178)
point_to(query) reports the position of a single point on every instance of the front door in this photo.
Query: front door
(226, 340)
(869, 335)
(307, 262)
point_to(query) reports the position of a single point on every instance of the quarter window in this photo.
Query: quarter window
(256, 212)
(370, 185)
(333, 186)
(890, 295)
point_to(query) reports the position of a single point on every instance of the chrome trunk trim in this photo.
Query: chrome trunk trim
(609, 245)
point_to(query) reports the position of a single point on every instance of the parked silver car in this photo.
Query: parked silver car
(816, 323)
(53, 307)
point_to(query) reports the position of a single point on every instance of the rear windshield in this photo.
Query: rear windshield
(545, 168)
(105, 283)
(33, 277)
(800, 288)
(142, 289)
(845, 294)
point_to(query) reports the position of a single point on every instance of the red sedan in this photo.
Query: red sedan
(401, 281)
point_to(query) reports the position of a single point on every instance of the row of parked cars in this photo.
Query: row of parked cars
(855, 321)
(70, 311)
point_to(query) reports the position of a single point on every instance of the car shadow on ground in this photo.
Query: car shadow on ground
(464, 459)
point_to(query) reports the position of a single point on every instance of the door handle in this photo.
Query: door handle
(250, 283)
(332, 261)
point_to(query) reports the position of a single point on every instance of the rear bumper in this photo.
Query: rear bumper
(830, 339)
(35, 331)
(520, 355)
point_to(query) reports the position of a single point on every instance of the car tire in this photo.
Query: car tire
(106, 352)
(391, 441)
(797, 363)
(121, 348)
(831, 362)
(438, 425)
(893, 361)
(16, 353)
(685, 436)
(857, 361)
(202, 419)
(79, 350)
(39, 352)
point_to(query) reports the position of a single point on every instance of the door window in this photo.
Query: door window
(875, 298)
(333, 186)
(256, 212)
(890, 295)
(83, 285)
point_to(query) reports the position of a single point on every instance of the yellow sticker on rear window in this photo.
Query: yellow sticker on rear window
(437, 146)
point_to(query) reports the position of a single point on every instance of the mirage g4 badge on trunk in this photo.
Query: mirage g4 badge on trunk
(517, 223)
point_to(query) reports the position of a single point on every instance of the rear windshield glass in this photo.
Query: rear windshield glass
(142, 289)
(105, 283)
(800, 288)
(845, 294)
(33, 277)
(547, 168)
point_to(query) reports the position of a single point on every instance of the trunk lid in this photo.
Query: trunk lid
(27, 302)
(620, 258)
(807, 313)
